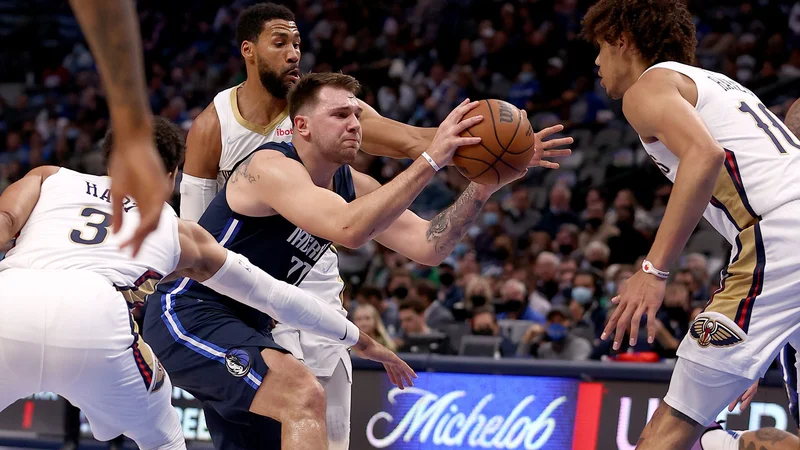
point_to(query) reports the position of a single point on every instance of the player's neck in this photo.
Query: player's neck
(320, 170)
(637, 69)
(257, 105)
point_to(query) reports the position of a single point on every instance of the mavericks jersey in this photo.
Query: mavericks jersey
(240, 137)
(70, 228)
(762, 157)
(272, 243)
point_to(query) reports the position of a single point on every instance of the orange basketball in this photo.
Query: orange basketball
(506, 147)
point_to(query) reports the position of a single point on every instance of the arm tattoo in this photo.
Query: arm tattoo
(241, 173)
(112, 31)
(450, 225)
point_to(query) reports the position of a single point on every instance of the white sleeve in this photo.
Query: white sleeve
(196, 195)
(248, 284)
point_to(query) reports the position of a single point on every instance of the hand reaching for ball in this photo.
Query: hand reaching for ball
(548, 149)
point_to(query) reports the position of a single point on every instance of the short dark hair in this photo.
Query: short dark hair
(168, 139)
(370, 291)
(413, 304)
(662, 30)
(251, 20)
(425, 289)
(305, 91)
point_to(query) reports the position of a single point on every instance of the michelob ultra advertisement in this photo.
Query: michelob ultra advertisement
(455, 411)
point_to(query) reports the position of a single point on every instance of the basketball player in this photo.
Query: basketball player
(256, 112)
(112, 31)
(766, 438)
(83, 344)
(282, 207)
(733, 162)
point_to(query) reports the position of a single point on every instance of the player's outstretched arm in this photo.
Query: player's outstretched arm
(430, 242)
(268, 181)
(387, 137)
(231, 274)
(136, 170)
(203, 150)
(655, 108)
(19, 199)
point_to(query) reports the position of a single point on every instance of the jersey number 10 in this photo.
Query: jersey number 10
(777, 124)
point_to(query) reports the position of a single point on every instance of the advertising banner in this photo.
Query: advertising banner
(459, 411)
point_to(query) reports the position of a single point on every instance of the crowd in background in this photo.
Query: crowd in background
(535, 274)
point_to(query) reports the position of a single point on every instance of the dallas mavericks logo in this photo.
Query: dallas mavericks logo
(238, 362)
(710, 332)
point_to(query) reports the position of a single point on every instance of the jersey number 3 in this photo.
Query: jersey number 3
(98, 224)
(767, 129)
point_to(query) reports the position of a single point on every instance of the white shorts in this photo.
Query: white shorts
(757, 308)
(70, 332)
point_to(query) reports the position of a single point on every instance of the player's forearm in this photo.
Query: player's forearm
(17, 203)
(372, 214)
(196, 195)
(248, 284)
(112, 31)
(694, 184)
(449, 226)
(396, 140)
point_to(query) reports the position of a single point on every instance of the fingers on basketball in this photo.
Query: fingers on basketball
(506, 148)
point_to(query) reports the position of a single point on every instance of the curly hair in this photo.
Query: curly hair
(662, 30)
(168, 139)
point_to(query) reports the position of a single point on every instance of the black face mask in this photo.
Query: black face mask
(483, 332)
(598, 264)
(565, 249)
(594, 223)
(400, 293)
(549, 289)
(447, 279)
(514, 305)
(477, 300)
(677, 314)
(501, 254)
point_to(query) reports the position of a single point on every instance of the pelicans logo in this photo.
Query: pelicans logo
(710, 332)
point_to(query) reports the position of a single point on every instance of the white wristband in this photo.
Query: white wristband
(647, 267)
(430, 160)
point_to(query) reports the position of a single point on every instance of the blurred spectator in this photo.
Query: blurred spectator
(436, 315)
(559, 211)
(452, 293)
(412, 320)
(368, 320)
(674, 312)
(387, 309)
(699, 291)
(587, 314)
(520, 217)
(514, 303)
(629, 243)
(484, 323)
(554, 339)
(545, 271)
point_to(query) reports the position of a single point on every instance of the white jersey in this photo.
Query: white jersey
(762, 157)
(70, 228)
(240, 137)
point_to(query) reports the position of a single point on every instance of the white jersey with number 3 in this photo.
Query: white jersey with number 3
(70, 228)
(761, 170)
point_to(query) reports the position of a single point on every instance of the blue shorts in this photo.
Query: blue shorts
(787, 359)
(208, 351)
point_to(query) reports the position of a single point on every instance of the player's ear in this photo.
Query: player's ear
(247, 49)
(301, 125)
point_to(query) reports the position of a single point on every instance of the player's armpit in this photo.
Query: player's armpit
(386, 137)
(201, 255)
(204, 145)
(19, 199)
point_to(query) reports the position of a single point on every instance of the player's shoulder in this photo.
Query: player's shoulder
(207, 121)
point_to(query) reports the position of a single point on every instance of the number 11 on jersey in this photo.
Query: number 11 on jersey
(767, 129)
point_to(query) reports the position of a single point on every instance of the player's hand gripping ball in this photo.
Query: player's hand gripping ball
(506, 147)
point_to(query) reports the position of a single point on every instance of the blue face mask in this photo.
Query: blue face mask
(460, 249)
(525, 77)
(490, 218)
(611, 288)
(582, 295)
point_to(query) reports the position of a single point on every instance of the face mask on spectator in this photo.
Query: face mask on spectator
(478, 300)
(490, 218)
(400, 292)
(447, 279)
(485, 331)
(611, 288)
(514, 305)
(598, 264)
(582, 295)
(565, 249)
(595, 223)
(556, 332)
(501, 253)
(460, 249)
(525, 77)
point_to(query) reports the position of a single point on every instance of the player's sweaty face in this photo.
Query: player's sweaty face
(336, 124)
(278, 56)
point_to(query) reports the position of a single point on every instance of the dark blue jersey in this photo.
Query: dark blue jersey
(272, 243)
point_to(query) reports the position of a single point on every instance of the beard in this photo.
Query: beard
(273, 82)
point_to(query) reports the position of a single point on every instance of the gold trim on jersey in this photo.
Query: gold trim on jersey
(738, 277)
(138, 294)
(725, 191)
(151, 370)
(260, 129)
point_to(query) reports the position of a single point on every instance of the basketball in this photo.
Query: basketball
(506, 147)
